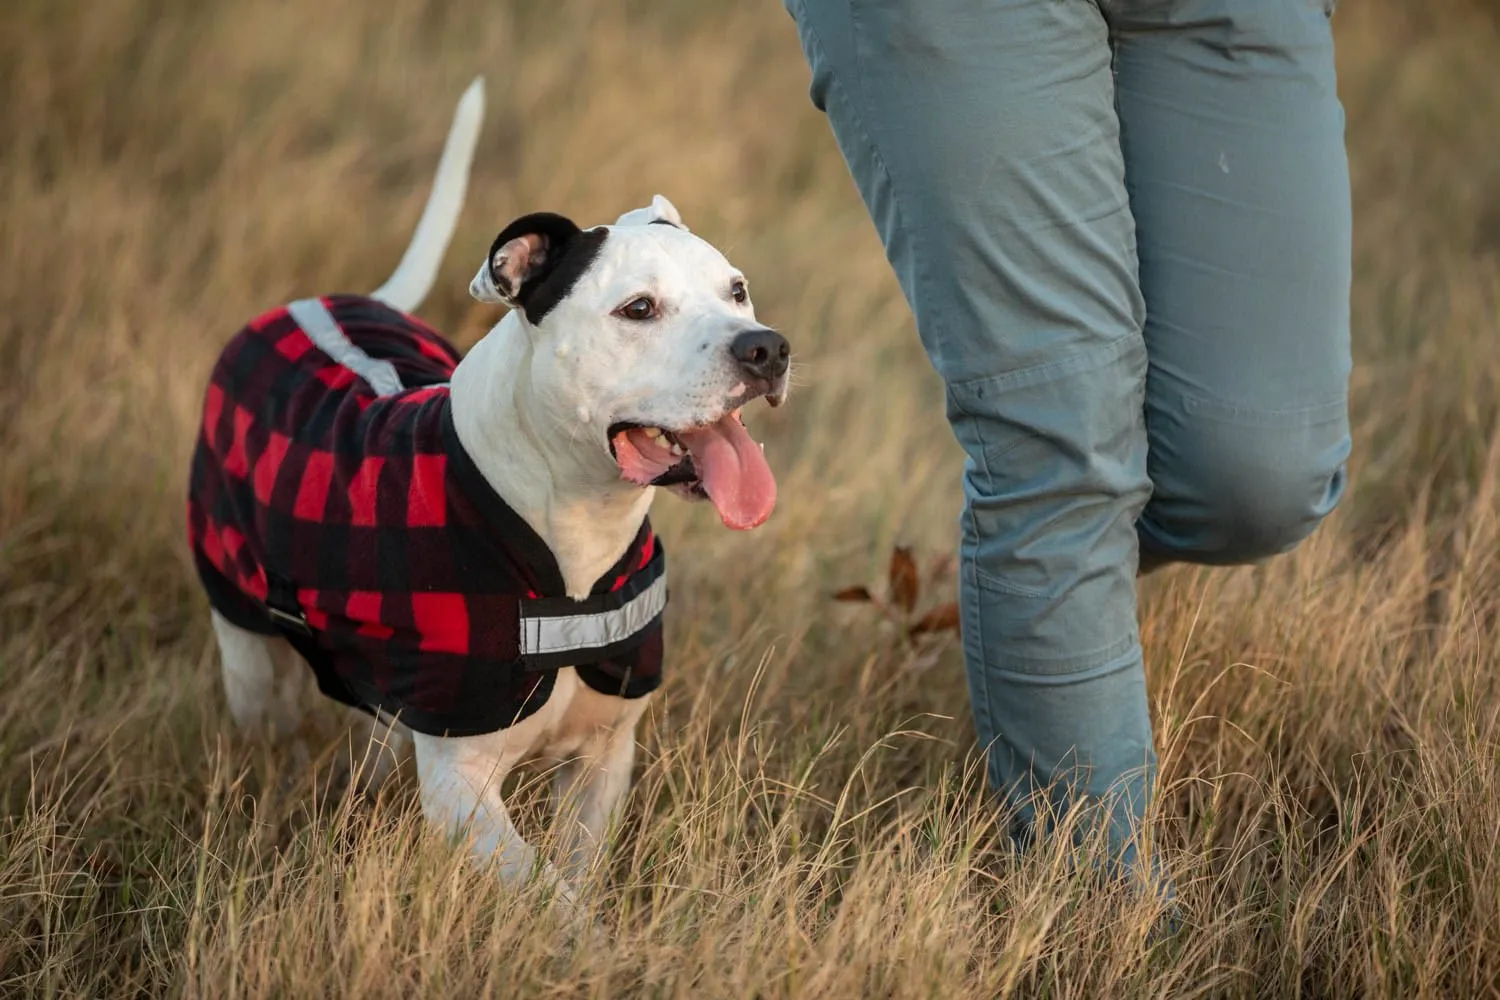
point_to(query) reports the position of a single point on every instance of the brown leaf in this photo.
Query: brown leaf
(942, 567)
(942, 618)
(904, 579)
(853, 594)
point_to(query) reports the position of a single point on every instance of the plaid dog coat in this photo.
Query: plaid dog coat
(331, 503)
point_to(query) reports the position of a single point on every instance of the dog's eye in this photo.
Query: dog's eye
(739, 292)
(638, 309)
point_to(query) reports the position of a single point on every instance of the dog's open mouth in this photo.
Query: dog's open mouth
(719, 461)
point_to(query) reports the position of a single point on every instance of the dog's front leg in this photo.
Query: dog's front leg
(589, 789)
(460, 781)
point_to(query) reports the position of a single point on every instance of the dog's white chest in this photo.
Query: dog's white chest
(575, 720)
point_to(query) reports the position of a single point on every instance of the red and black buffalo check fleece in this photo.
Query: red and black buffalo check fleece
(360, 514)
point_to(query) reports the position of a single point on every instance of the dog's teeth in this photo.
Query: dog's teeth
(654, 433)
(676, 448)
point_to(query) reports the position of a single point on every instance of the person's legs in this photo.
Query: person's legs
(1233, 138)
(984, 142)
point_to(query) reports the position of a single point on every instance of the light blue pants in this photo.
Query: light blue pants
(1123, 227)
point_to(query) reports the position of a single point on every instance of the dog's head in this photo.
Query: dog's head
(645, 335)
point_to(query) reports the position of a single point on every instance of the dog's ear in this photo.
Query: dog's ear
(534, 262)
(660, 211)
(522, 255)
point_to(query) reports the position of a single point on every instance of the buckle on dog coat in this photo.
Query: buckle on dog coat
(282, 606)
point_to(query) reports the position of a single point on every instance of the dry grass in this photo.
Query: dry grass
(806, 821)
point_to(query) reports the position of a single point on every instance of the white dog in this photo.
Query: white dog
(464, 546)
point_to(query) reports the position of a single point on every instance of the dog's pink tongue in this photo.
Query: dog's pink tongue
(733, 471)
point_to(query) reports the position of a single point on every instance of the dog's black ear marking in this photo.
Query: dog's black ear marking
(534, 263)
(564, 269)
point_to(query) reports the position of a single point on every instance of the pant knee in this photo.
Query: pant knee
(1055, 481)
(1237, 493)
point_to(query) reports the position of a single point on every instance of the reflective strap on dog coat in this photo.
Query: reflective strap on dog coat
(556, 632)
(324, 331)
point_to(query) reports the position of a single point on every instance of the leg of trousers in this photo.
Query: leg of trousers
(1113, 313)
(1233, 138)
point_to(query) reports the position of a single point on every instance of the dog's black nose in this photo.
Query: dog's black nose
(761, 353)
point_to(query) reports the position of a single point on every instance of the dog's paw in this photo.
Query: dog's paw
(579, 921)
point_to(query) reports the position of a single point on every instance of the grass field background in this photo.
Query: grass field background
(806, 820)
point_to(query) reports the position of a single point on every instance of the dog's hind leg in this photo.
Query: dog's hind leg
(377, 748)
(249, 662)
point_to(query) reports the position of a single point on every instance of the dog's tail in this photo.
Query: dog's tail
(413, 277)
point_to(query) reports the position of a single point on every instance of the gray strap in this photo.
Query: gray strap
(561, 634)
(318, 323)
